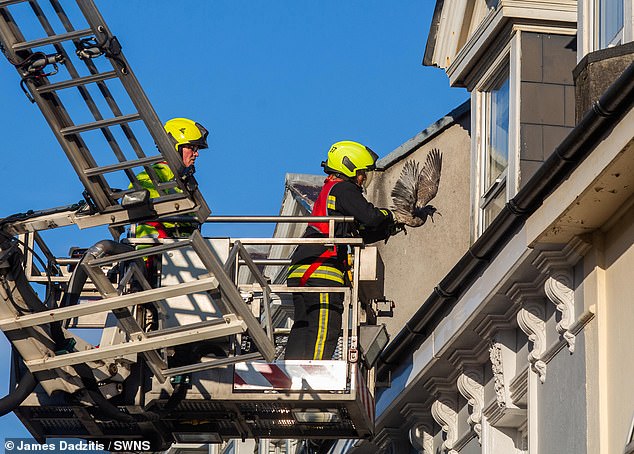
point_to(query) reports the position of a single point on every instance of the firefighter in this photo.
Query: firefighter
(189, 137)
(317, 320)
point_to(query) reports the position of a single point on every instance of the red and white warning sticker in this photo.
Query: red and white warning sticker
(293, 375)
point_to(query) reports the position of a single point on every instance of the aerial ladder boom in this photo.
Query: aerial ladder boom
(84, 58)
(190, 349)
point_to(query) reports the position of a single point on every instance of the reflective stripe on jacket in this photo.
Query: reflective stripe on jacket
(341, 198)
(329, 273)
(160, 229)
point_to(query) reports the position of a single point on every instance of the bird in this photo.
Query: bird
(415, 188)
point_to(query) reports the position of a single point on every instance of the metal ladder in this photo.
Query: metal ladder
(237, 317)
(76, 73)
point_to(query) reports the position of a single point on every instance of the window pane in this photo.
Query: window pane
(494, 207)
(610, 21)
(498, 132)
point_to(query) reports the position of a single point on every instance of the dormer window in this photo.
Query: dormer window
(516, 59)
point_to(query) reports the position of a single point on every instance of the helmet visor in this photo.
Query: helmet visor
(369, 176)
(201, 142)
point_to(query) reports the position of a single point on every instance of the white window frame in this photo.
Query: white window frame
(588, 25)
(618, 38)
(508, 60)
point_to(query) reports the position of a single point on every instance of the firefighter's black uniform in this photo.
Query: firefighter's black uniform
(317, 322)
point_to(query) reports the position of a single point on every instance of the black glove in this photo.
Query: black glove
(395, 228)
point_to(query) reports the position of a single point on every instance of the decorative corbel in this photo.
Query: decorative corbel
(421, 438)
(530, 319)
(559, 283)
(470, 382)
(443, 412)
(471, 388)
(558, 289)
(421, 433)
(444, 408)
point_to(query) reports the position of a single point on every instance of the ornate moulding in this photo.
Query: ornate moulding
(531, 318)
(557, 266)
(444, 408)
(444, 413)
(491, 331)
(421, 426)
(470, 382)
(471, 388)
(497, 364)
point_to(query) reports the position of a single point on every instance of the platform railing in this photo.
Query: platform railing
(239, 318)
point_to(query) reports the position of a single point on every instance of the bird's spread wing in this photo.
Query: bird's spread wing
(406, 188)
(429, 178)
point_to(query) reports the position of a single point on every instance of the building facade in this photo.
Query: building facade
(521, 344)
(511, 327)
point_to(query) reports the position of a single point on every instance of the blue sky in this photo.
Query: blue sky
(276, 83)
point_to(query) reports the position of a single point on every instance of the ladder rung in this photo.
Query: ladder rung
(123, 165)
(53, 39)
(100, 124)
(162, 186)
(4, 3)
(77, 82)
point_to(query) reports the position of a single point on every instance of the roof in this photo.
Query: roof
(428, 58)
(304, 188)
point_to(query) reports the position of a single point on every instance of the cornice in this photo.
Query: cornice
(470, 357)
(493, 322)
(442, 385)
(385, 438)
(523, 292)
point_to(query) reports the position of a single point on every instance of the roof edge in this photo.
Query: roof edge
(428, 56)
(413, 144)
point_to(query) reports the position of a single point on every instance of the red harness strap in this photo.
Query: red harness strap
(316, 264)
(160, 229)
(320, 208)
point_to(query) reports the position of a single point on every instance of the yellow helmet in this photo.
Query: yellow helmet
(348, 157)
(186, 132)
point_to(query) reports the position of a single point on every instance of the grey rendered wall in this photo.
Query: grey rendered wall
(547, 97)
(562, 403)
(416, 262)
(473, 447)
